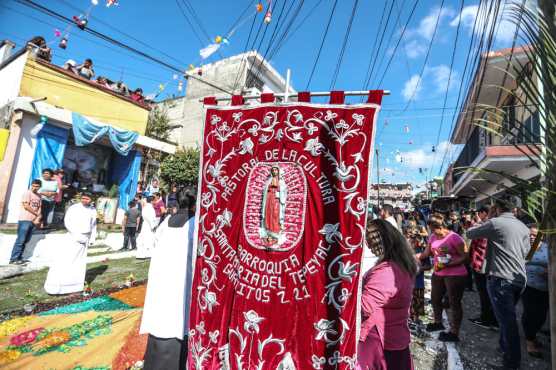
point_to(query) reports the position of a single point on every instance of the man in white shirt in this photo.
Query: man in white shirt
(67, 272)
(168, 298)
(387, 214)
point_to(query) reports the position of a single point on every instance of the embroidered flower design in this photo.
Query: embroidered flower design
(252, 320)
(215, 119)
(314, 147)
(331, 232)
(210, 298)
(213, 335)
(341, 125)
(358, 118)
(225, 219)
(343, 173)
(201, 327)
(246, 146)
(330, 116)
(324, 328)
(237, 116)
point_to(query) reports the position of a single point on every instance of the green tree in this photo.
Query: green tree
(181, 168)
(158, 124)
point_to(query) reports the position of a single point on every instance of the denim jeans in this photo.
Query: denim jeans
(24, 232)
(504, 296)
(129, 237)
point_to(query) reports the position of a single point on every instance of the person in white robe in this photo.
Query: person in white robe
(168, 298)
(146, 238)
(67, 271)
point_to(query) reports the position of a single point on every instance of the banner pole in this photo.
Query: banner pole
(287, 92)
(294, 95)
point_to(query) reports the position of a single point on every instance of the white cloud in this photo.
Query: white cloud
(417, 39)
(441, 75)
(427, 24)
(424, 156)
(412, 88)
(505, 29)
(415, 48)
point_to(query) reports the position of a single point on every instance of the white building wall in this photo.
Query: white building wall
(22, 169)
(229, 74)
(10, 79)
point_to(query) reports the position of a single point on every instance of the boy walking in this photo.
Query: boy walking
(130, 224)
(29, 216)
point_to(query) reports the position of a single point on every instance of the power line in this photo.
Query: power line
(47, 11)
(398, 43)
(78, 35)
(371, 66)
(195, 17)
(201, 42)
(427, 55)
(321, 44)
(392, 33)
(454, 48)
(275, 32)
(467, 59)
(290, 34)
(106, 24)
(344, 45)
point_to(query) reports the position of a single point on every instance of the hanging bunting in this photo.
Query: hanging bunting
(57, 33)
(94, 2)
(433, 149)
(410, 142)
(63, 43)
(268, 17)
(406, 129)
(81, 21)
(180, 86)
(110, 3)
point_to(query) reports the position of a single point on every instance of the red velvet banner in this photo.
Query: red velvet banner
(281, 217)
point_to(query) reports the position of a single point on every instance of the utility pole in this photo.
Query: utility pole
(547, 8)
(377, 179)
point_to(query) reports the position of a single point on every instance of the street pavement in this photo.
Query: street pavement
(477, 348)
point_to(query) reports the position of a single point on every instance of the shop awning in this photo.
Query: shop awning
(63, 117)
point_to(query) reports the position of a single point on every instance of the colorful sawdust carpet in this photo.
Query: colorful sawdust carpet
(75, 336)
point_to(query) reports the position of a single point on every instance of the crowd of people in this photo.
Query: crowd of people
(490, 249)
(41, 50)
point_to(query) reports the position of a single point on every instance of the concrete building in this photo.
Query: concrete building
(398, 195)
(246, 74)
(483, 148)
(40, 105)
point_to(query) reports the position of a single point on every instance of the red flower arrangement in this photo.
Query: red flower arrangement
(26, 337)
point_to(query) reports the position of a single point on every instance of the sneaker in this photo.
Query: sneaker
(480, 323)
(434, 326)
(16, 262)
(447, 336)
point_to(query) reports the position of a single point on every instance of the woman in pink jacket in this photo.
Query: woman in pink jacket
(385, 301)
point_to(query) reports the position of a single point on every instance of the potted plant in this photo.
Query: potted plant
(31, 300)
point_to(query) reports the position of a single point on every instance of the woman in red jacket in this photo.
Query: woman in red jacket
(385, 301)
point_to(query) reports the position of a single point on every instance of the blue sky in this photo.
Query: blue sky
(411, 118)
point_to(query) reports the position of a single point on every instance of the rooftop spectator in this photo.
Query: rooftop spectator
(137, 95)
(40, 49)
(102, 81)
(71, 66)
(120, 88)
(86, 70)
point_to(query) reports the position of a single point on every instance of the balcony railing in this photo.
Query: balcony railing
(527, 134)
